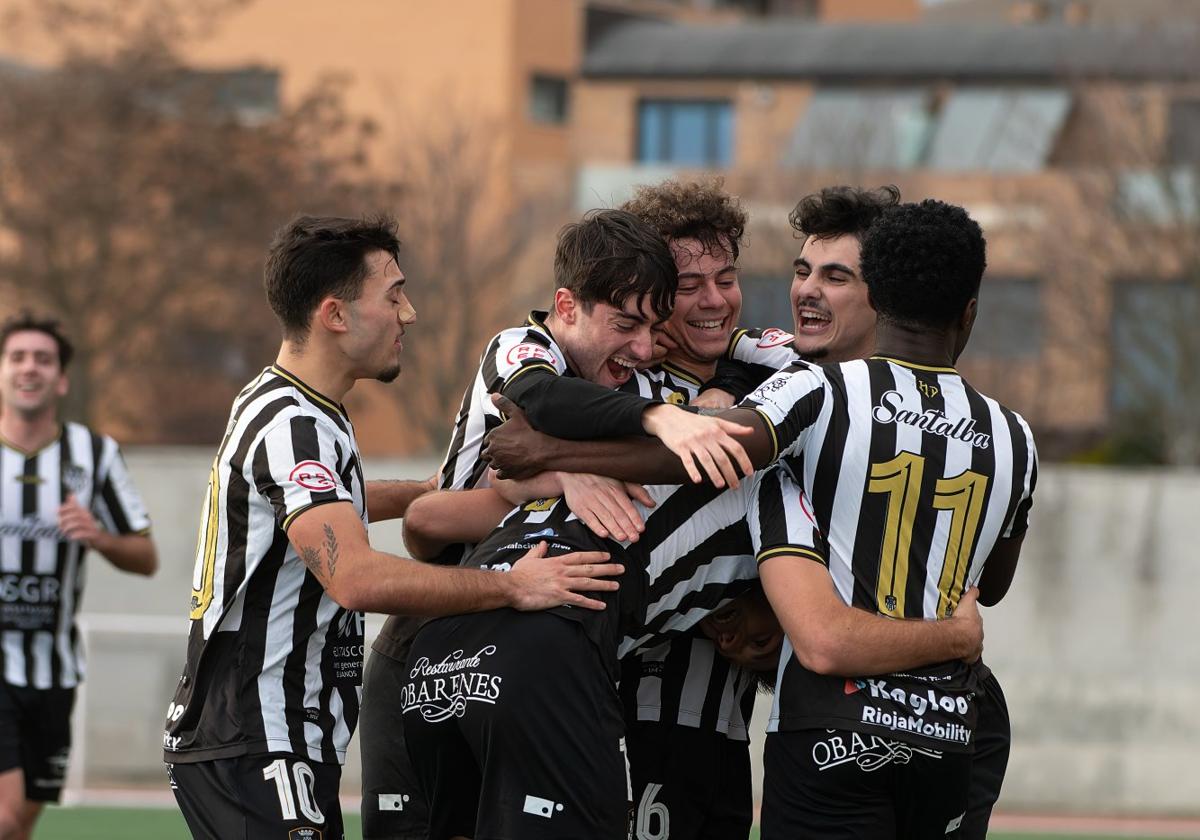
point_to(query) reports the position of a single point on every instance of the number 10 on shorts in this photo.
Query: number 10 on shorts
(304, 796)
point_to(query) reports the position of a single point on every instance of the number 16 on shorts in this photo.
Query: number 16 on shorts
(653, 819)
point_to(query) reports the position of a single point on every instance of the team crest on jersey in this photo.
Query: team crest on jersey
(304, 833)
(774, 337)
(313, 475)
(75, 478)
(675, 398)
(528, 352)
(540, 505)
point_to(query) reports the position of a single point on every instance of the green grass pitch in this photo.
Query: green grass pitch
(167, 824)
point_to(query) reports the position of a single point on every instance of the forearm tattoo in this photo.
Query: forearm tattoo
(331, 549)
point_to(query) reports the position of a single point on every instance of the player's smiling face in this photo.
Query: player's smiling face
(381, 314)
(604, 342)
(746, 632)
(707, 304)
(31, 378)
(833, 316)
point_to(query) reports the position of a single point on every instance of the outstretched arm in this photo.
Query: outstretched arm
(445, 517)
(332, 542)
(831, 637)
(517, 451)
(390, 499)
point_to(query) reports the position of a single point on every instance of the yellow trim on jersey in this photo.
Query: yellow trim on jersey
(308, 392)
(733, 340)
(915, 366)
(29, 453)
(791, 550)
(526, 369)
(774, 437)
(675, 370)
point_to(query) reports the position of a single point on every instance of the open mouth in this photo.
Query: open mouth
(812, 320)
(710, 327)
(619, 368)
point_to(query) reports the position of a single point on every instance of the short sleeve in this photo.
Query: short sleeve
(515, 353)
(781, 520)
(117, 504)
(790, 402)
(295, 467)
(771, 348)
(1018, 523)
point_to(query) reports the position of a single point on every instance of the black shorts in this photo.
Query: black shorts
(393, 804)
(276, 796)
(689, 784)
(515, 730)
(35, 735)
(840, 785)
(993, 737)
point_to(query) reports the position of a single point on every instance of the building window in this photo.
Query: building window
(998, 130)
(548, 99)
(857, 128)
(685, 132)
(1155, 346)
(1007, 307)
(1183, 134)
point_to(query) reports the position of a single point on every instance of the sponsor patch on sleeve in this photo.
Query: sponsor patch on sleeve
(774, 337)
(313, 475)
(529, 352)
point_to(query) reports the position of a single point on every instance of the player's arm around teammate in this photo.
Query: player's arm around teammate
(332, 542)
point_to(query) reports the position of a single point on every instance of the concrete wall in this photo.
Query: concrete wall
(1095, 644)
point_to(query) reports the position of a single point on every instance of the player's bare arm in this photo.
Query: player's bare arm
(332, 542)
(605, 505)
(390, 499)
(999, 570)
(133, 553)
(831, 637)
(515, 450)
(445, 517)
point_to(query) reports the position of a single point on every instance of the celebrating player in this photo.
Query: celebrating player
(268, 699)
(896, 452)
(64, 489)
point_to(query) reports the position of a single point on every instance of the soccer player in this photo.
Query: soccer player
(268, 699)
(686, 707)
(512, 720)
(921, 486)
(615, 280)
(64, 489)
(834, 322)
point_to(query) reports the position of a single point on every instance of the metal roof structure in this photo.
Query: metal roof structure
(775, 49)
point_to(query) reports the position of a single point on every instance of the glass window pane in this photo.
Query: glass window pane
(650, 132)
(1007, 308)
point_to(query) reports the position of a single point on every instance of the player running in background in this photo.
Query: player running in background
(64, 489)
(268, 699)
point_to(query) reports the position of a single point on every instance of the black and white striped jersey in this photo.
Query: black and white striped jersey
(273, 663)
(695, 554)
(913, 476)
(41, 571)
(683, 681)
(511, 354)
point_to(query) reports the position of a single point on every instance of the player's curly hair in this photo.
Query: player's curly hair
(923, 263)
(25, 321)
(700, 210)
(841, 211)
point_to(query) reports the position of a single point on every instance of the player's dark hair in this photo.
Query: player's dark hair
(699, 210)
(610, 255)
(313, 257)
(841, 211)
(923, 263)
(26, 320)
